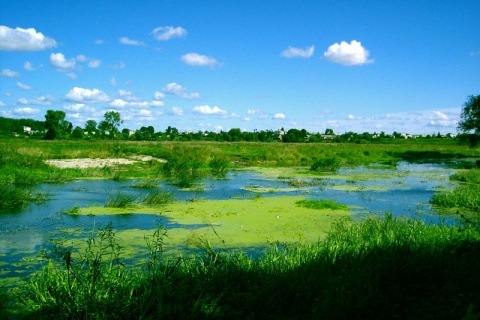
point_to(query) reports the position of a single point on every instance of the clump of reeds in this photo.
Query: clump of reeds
(144, 184)
(321, 204)
(470, 176)
(461, 197)
(12, 196)
(330, 164)
(120, 200)
(157, 197)
(219, 167)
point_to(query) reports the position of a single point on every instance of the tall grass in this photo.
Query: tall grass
(321, 204)
(13, 197)
(331, 164)
(376, 269)
(470, 176)
(461, 197)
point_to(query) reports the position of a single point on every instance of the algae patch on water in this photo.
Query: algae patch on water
(252, 222)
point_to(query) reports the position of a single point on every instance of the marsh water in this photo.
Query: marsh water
(403, 191)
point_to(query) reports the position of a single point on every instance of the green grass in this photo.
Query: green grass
(375, 269)
(470, 176)
(461, 197)
(13, 197)
(321, 204)
(120, 199)
(330, 164)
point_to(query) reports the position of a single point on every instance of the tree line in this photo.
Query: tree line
(56, 127)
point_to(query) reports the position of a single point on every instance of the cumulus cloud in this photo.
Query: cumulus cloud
(179, 91)
(38, 101)
(195, 59)
(26, 111)
(20, 39)
(71, 75)
(351, 116)
(29, 66)
(157, 95)
(279, 116)
(176, 111)
(130, 42)
(292, 52)
(99, 41)
(58, 60)
(94, 63)
(23, 86)
(167, 33)
(208, 110)
(2, 104)
(347, 54)
(81, 95)
(79, 108)
(10, 73)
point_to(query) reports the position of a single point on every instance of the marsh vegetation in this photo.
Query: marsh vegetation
(352, 263)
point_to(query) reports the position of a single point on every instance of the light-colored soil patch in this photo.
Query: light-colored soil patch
(98, 163)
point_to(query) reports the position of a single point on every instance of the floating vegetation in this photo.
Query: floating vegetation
(321, 204)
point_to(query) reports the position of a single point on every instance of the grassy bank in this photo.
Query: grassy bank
(375, 269)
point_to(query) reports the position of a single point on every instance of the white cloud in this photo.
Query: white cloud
(23, 86)
(130, 42)
(38, 101)
(82, 57)
(10, 73)
(208, 110)
(99, 41)
(157, 103)
(351, 117)
(58, 60)
(2, 104)
(71, 75)
(113, 81)
(157, 95)
(29, 66)
(279, 116)
(177, 111)
(179, 91)
(167, 33)
(348, 54)
(120, 65)
(94, 63)
(20, 39)
(26, 111)
(79, 108)
(87, 95)
(195, 59)
(292, 52)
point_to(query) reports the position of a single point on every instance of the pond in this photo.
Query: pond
(402, 191)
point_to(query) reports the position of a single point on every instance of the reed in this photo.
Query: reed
(321, 204)
(461, 197)
(120, 200)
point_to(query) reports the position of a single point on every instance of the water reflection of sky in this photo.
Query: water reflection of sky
(405, 193)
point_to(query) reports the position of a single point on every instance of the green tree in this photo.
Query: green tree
(56, 125)
(91, 126)
(111, 123)
(77, 133)
(470, 116)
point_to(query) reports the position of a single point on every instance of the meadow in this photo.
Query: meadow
(384, 267)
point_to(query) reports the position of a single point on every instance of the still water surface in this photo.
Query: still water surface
(403, 191)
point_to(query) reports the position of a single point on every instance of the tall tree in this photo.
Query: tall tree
(91, 126)
(56, 125)
(470, 116)
(111, 123)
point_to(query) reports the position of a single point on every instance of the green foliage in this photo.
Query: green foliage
(321, 204)
(111, 122)
(219, 166)
(144, 184)
(157, 197)
(326, 164)
(56, 125)
(470, 116)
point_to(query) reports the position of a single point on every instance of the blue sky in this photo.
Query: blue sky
(405, 66)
